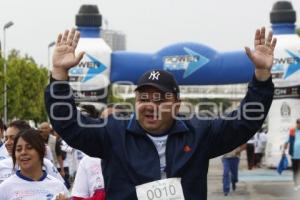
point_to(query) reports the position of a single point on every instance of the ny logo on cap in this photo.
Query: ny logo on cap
(154, 75)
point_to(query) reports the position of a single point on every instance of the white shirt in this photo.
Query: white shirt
(73, 157)
(260, 142)
(160, 143)
(251, 141)
(3, 152)
(88, 178)
(19, 188)
(68, 161)
(76, 157)
(7, 170)
(48, 154)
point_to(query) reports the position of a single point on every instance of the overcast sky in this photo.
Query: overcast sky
(149, 24)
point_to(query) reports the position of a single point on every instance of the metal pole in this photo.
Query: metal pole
(4, 75)
(6, 26)
(1, 54)
(51, 44)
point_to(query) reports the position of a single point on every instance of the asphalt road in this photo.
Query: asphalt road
(257, 184)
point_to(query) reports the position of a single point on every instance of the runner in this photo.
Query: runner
(6, 165)
(89, 181)
(31, 181)
(137, 154)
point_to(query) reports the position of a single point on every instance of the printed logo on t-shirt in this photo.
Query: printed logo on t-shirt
(187, 148)
(49, 196)
(54, 170)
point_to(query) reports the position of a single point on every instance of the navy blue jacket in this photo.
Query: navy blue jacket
(130, 157)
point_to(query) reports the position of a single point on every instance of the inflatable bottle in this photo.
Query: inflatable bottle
(90, 78)
(286, 77)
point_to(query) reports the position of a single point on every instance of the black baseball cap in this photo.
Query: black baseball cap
(159, 79)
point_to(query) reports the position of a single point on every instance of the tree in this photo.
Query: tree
(25, 82)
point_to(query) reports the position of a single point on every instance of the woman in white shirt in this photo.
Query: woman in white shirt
(31, 182)
(8, 169)
(89, 181)
(7, 166)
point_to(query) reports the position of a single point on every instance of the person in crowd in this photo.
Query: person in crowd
(54, 145)
(294, 150)
(260, 143)
(155, 147)
(250, 153)
(231, 162)
(3, 151)
(2, 129)
(65, 163)
(13, 128)
(72, 160)
(31, 181)
(88, 183)
(6, 165)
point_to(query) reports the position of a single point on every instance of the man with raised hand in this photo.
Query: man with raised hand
(155, 154)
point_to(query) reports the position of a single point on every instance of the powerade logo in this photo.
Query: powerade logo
(190, 62)
(87, 69)
(286, 60)
(291, 64)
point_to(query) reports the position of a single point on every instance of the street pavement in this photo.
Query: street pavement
(256, 184)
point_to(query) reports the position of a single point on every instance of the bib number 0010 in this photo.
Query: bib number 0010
(166, 189)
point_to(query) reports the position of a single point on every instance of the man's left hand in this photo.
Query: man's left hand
(263, 55)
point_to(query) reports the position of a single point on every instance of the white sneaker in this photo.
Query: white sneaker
(297, 188)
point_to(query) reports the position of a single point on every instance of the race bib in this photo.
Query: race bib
(166, 189)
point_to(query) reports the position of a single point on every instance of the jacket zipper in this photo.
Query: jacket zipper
(156, 153)
(167, 158)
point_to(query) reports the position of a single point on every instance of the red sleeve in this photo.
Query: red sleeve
(77, 198)
(98, 195)
(292, 132)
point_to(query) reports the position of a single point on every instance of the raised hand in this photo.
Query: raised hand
(64, 54)
(263, 55)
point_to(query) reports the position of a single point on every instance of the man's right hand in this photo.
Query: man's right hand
(64, 54)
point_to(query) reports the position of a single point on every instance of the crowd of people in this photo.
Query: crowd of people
(84, 173)
(255, 150)
(153, 154)
(46, 164)
(38, 164)
(293, 143)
